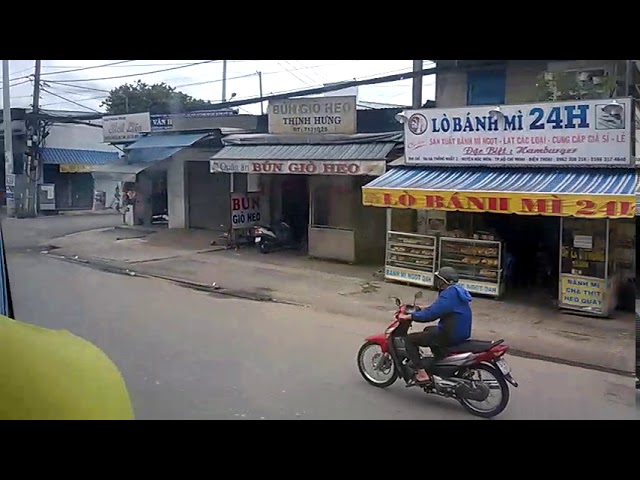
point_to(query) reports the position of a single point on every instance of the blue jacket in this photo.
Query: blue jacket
(453, 309)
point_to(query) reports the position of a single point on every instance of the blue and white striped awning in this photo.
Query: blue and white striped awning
(509, 180)
(588, 193)
(637, 193)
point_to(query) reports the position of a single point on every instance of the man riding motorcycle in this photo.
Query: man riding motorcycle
(453, 309)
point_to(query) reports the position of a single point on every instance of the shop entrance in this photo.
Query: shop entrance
(532, 252)
(295, 205)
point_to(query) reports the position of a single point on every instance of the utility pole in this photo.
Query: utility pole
(260, 83)
(9, 178)
(32, 167)
(224, 80)
(416, 99)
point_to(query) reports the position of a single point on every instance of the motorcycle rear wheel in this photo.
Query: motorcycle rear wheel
(264, 247)
(363, 370)
(504, 390)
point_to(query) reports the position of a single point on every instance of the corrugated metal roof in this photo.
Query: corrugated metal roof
(360, 151)
(167, 140)
(68, 156)
(589, 181)
(147, 155)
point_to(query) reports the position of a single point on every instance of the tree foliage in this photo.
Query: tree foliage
(140, 97)
(554, 87)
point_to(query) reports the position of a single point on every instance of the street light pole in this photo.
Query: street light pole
(224, 80)
(417, 84)
(9, 179)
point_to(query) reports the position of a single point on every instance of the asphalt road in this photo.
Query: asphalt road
(194, 355)
(23, 234)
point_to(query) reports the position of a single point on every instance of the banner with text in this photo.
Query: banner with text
(585, 206)
(313, 115)
(245, 210)
(372, 168)
(72, 168)
(577, 133)
(125, 128)
(582, 292)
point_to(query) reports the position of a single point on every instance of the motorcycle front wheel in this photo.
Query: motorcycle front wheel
(496, 383)
(368, 357)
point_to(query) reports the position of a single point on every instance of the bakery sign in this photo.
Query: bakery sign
(301, 167)
(313, 116)
(558, 205)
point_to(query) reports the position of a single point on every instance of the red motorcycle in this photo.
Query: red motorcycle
(470, 372)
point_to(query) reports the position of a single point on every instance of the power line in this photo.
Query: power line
(137, 74)
(88, 68)
(127, 66)
(71, 101)
(82, 87)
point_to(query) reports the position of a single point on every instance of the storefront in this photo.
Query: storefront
(309, 170)
(68, 175)
(314, 188)
(503, 203)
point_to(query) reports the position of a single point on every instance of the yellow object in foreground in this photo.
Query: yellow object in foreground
(54, 375)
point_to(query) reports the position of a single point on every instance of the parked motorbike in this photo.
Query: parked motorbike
(278, 236)
(456, 372)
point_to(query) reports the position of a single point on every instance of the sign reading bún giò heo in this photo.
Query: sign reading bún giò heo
(313, 116)
(301, 167)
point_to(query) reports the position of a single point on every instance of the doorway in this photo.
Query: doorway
(295, 205)
(531, 254)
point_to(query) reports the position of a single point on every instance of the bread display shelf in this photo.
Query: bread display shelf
(478, 263)
(410, 258)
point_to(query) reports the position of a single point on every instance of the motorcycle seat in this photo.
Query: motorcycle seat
(472, 346)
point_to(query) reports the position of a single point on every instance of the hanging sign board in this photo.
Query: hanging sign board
(578, 133)
(557, 205)
(313, 116)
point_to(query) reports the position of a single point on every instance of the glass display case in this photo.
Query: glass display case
(478, 262)
(585, 266)
(410, 258)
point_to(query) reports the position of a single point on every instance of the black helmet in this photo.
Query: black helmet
(448, 274)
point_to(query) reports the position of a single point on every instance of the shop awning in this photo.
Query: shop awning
(76, 160)
(361, 158)
(154, 148)
(590, 193)
(119, 173)
(637, 194)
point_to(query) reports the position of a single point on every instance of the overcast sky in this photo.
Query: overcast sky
(86, 82)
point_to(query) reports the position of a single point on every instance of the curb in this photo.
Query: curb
(216, 290)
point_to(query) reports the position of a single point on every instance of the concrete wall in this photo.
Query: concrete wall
(75, 136)
(178, 201)
(109, 187)
(451, 87)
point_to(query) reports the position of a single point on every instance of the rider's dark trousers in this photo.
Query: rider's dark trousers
(429, 337)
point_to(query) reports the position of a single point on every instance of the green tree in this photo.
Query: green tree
(561, 86)
(140, 97)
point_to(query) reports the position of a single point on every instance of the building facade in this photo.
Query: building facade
(529, 198)
(308, 170)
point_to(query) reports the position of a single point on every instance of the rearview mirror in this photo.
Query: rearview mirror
(397, 300)
(418, 294)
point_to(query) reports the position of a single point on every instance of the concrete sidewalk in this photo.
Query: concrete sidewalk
(347, 290)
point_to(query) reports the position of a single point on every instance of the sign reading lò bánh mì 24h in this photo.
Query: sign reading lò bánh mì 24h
(313, 116)
(576, 133)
